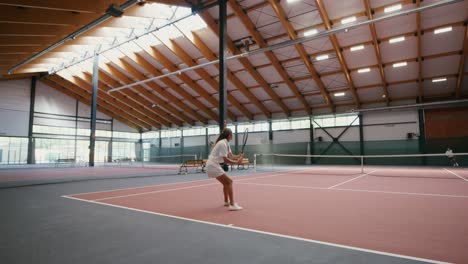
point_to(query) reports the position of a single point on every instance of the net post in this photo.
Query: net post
(362, 164)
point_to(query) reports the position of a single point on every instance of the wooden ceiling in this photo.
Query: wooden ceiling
(279, 83)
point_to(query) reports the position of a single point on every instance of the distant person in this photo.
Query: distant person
(451, 157)
(220, 155)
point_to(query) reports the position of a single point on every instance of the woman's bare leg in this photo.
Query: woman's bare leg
(227, 188)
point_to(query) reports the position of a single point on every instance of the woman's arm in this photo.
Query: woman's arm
(232, 156)
(232, 161)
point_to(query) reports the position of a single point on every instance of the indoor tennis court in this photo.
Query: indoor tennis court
(233, 131)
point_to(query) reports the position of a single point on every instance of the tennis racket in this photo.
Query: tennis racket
(244, 139)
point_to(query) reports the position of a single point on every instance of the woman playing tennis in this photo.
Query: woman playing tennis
(220, 154)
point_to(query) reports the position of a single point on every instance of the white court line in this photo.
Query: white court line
(456, 174)
(357, 190)
(404, 193)
(355, 178)
(152, 192)
(266, 233)
(181, 188)
(164, 184)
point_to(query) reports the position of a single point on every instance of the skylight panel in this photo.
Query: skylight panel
(191, 23)
(356, 48)
(442, 79)
(310, 32)
(400, 64)
(322, 57)
(397, 39)
(392, 8)
(442, 30)
(348, 20)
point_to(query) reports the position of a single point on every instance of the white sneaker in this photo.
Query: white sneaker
(226, 204)
(235, 207)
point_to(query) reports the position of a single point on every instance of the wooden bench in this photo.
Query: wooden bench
(199, 165)
(65, 161)
(245, 162)
(123, 160)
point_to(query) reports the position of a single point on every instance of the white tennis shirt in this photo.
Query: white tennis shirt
(220, 150)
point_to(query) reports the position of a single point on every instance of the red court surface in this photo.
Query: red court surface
(412, 213)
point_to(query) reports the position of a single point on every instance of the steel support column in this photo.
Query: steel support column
(92, 137)
(361, 134)
(311, 140)
(207, 144)
(30, 158)
(236, 148)
(109, 146)
(422, 134)
(76, 126)
(222, 63)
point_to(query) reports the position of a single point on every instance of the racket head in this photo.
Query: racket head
(244, 139)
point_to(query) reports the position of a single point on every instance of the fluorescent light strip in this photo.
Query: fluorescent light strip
(356, 48)
(392, 8)
(442, 30)
(322, 57)
(348, 20)
(363, 70)
(292, 1)
(339, 94)
(310, 32)
(400, 64)
(398, 39)
(443, 79)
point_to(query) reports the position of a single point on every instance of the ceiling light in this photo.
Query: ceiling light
(363, 70)
(400, 64)
(443, 79)
(398, 39)
(348, 20)
(392, 8)
(310, 32)
(339, 94)
(292, 1)
(356, 48)
(442, 30)
(322, 57)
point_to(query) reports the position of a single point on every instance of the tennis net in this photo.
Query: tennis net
(411, 164)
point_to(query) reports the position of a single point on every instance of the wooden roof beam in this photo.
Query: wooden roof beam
(20, 15)
(420, 66)
(150, 69)
(378, 54)
(302, 52)
(131, 99)
(270, 55)
(82, 6)
(185, 77)
(162, 106)
(108, 104)
(162, 116)
(336, 46)
(153, 52)
(87, 101)
(247, 64)
(461, 66)
(177, 50)
(119, 100)
(209, 55)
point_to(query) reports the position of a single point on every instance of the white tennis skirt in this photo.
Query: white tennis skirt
(214, 169)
